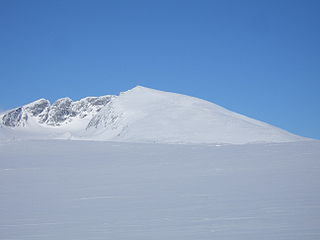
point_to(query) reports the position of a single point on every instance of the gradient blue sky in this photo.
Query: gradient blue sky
(258, 58)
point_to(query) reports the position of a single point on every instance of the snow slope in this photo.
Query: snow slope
(79, 190)
(140, 115)
(147, 115)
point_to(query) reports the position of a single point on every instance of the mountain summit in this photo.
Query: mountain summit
(137, 115)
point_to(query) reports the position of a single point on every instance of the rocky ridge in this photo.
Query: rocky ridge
(61, 112)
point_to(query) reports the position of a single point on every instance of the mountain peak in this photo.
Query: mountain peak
(141, 115)
(39, 101)
(139, 89)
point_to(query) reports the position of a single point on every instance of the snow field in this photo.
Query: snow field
(73, 190)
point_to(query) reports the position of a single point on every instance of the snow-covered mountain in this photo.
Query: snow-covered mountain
(138, 115)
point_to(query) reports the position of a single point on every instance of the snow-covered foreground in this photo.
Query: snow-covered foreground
(72, 190)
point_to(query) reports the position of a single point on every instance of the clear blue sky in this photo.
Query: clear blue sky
(258, 58)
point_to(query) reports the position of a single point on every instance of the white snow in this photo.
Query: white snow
(74, 190)
(127, 187)
(147, 115)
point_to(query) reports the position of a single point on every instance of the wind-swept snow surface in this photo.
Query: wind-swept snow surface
(138, 115)
(147, 115)
(74, 190)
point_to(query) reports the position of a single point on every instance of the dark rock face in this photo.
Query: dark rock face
(61, 112)
(37, 107)
(89, 105)
(12, 119)
(109, 118)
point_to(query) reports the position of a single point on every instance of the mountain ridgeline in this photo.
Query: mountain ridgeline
(63, 111)
(137, 115)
